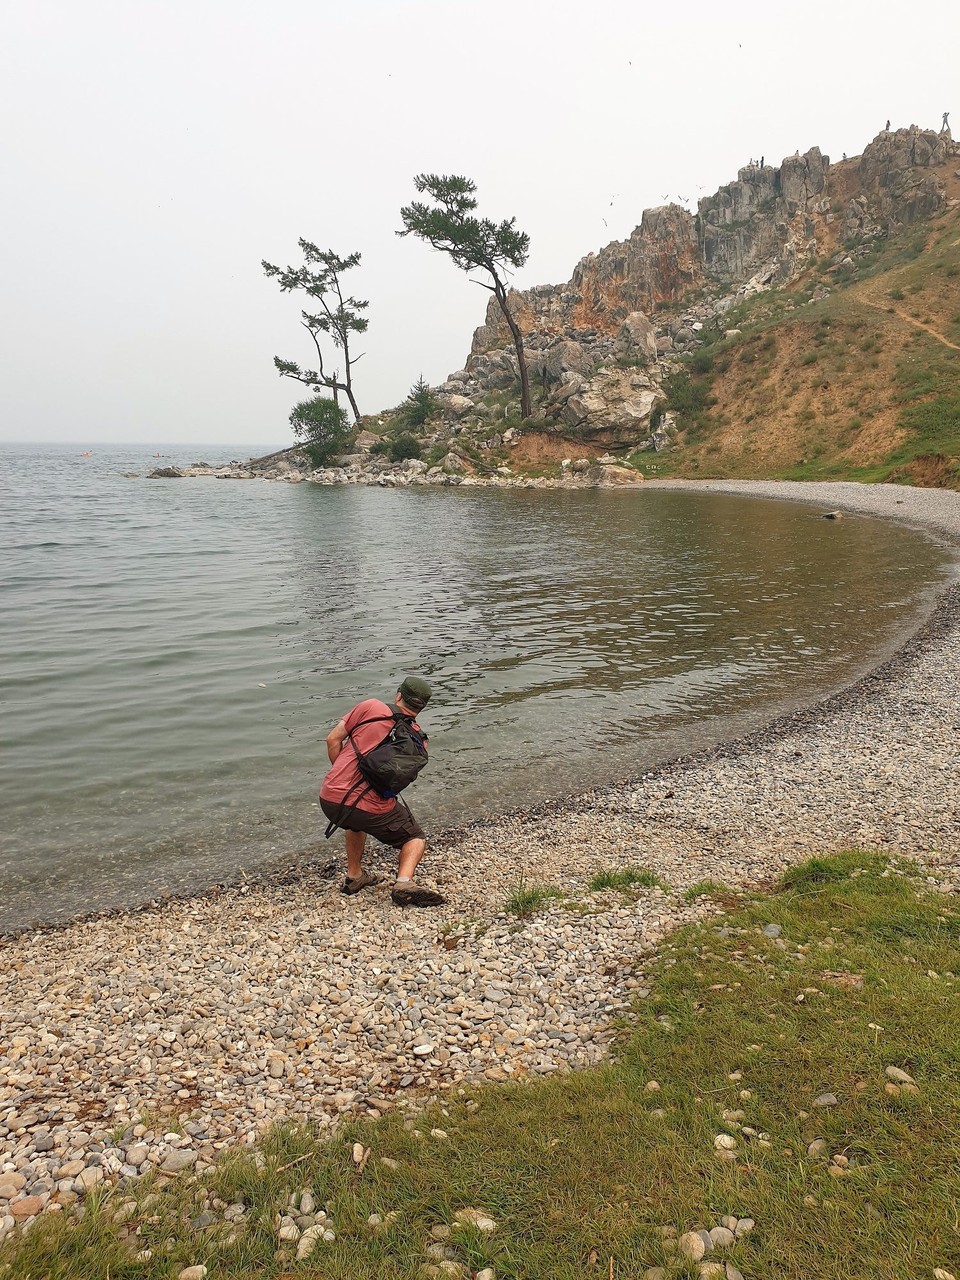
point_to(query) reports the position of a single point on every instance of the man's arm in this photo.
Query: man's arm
(335, 740)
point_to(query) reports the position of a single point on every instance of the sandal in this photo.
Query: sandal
(353, 884)
(412, 895)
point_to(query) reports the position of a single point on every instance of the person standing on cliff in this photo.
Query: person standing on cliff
(349, 802)
(945, 127)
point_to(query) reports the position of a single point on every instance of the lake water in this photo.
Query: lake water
(174, 652)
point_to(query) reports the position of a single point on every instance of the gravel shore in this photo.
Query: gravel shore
(286, 999)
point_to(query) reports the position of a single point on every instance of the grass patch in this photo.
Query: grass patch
(823, 871)
(742, 1030)
(527, 899)
(627, 878)
(707, 889)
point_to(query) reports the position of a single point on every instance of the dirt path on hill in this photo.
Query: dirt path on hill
(917, 324)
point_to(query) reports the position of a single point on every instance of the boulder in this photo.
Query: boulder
(636, 338)
(608, 475)
(166, 473)
(570, 383)
(614, 407)
(457, 405)
(566, 356)
(453, 463)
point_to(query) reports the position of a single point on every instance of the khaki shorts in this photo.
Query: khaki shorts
(394, 828)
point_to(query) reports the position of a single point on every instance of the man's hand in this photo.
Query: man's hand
(335, 740)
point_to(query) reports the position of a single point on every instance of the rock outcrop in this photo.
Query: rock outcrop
(761, 230)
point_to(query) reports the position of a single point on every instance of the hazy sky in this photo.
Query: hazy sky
(154, 151)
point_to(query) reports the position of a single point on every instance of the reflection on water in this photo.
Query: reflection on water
(175, 652)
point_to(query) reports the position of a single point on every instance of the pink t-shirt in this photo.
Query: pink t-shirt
(345, 782)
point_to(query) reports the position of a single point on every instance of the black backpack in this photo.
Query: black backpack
(389, 766)
(396, 760)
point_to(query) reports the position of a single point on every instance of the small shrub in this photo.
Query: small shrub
(398, 447)
(685, 396)
(895, 294)
(404, 446)
(321, 427)
(419, 405)
(809, 358)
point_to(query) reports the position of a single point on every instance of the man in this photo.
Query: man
(349, 802)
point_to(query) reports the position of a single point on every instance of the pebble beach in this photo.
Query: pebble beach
(157, 1037)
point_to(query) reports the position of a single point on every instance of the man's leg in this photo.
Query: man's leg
(405, 892)
(356, 842)
(410, 854)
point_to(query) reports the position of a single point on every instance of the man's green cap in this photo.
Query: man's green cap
(416, 692)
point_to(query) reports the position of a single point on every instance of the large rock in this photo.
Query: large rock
(457, 405)
(636, 338)
(613, 475)
(612, 408)
(895, 175)
(566, 356)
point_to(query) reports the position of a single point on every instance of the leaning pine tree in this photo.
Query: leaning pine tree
(474, 244)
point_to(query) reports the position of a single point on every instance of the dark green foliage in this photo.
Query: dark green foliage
(420, 405)
(702, 362)
(473, 244)
(685, 395)
(401, 446)
(321, 427)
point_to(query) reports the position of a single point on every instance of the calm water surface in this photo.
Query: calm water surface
(173, 653)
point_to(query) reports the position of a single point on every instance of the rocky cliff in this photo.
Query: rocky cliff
(761, 230)
(614, 354)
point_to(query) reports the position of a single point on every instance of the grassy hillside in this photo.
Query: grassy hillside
(861, 384)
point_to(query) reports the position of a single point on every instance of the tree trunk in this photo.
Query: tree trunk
(353, 404)
(501, 295)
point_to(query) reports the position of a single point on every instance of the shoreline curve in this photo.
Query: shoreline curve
(280, 998)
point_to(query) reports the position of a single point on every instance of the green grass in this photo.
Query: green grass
(627, 878)
(527, 900)
(580, 1169)
(706, 889)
